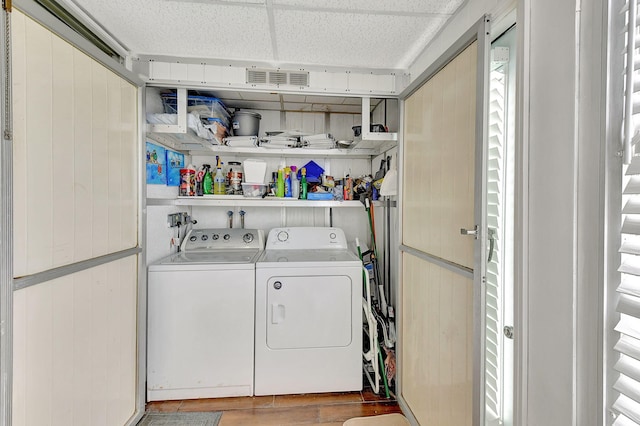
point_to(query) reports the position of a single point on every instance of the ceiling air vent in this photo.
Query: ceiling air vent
(278, 77)
(299, 78)
(256, 76)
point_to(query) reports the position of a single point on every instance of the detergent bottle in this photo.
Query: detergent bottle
(219, 181)
(280, 183)
(295, 184)
(287, 182)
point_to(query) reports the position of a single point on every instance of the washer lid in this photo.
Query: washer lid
(211, 257)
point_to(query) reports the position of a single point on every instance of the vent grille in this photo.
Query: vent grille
(299, 78)
(256, 77)
(278, 77)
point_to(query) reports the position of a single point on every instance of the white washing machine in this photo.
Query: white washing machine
(201, 316)
(308, 313)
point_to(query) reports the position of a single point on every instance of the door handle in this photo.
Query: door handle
(277, 313)
(473, 232)
(492, 242)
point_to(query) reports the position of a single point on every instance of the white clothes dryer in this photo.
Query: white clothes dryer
(201, 316)
(308, 313)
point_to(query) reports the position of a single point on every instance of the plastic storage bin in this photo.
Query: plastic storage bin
(207, 106)
(254, 190)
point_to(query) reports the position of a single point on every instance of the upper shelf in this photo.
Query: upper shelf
(179, 137)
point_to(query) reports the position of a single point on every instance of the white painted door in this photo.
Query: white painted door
(443, 242)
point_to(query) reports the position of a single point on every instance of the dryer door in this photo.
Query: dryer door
(309, 311)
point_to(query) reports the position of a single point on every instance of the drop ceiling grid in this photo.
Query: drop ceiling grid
(377, 34)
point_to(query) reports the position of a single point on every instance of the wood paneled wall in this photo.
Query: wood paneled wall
(75, 153)
(439, 169)
(75, 348)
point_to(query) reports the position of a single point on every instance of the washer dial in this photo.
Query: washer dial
(283, 236)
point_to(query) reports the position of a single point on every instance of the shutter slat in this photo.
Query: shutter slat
(630, 247)
(632, 206)
(629, 367)
(628, 325)
(629, 305)
(634, 166)
(630, 285)
(629, 388)
(623, 420)
(628, 346)
(631, 225)
(629, 408)
(633, 186)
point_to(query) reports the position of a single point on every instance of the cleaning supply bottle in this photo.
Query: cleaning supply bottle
(303, 184)
(219, 181)
(287, 182)
(280, 183)
(295, 184)
(207, 182)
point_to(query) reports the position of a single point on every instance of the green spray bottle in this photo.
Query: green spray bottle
(207, 182)
(303, 184)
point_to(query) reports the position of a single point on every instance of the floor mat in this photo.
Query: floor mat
(394, 419)
(180, 419)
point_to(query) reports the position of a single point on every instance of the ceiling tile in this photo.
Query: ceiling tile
(351, 40)
(185, 29)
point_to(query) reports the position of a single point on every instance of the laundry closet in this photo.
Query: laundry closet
(378, 226)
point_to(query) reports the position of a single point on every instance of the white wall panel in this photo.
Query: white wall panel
(75, 348)
(75, 158)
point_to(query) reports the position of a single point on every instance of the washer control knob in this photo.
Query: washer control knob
(332, 235)
(204, 237)
(193, 238)
(283, 236)
(226, 237)
(277, 285)
(248, 237)
(215, 236)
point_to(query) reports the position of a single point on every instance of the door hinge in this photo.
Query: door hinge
(6, 5)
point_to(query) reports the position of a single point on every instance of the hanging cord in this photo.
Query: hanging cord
(7, 72)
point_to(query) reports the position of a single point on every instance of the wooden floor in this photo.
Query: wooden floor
(287, 410)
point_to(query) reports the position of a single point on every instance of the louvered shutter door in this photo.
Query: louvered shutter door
(495, 193)
(626, 404)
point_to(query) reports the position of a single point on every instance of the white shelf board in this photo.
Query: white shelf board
(240, 201)
(193, 145)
